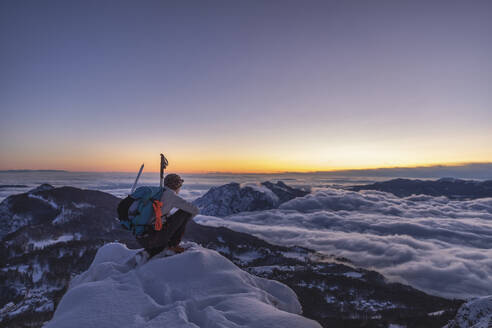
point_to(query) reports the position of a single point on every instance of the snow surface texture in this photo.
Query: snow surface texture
(476, 313)
(435, 244)
(198, 288)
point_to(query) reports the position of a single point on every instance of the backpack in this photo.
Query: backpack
(141, 210)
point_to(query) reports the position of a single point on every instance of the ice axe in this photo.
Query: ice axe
(136, 180)
(164, 164)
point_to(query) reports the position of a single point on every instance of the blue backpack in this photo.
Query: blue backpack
(141, 210)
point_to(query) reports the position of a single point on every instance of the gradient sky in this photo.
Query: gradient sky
(244, 86)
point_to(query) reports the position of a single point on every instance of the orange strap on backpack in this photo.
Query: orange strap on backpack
(158, 214)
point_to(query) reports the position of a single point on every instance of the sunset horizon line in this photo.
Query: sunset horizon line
(348, 169)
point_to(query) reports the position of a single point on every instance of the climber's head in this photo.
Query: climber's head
(173, 181)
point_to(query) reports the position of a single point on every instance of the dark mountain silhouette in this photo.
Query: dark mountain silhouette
(449, 187)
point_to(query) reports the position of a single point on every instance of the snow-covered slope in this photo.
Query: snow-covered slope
(476, 313)
(198, 288)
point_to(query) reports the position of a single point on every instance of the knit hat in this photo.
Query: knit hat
(173, 181)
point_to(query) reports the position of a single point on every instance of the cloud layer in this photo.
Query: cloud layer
(440, 246)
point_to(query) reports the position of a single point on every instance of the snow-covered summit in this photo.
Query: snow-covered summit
(42, 187)
(198, 288)
(234, 198)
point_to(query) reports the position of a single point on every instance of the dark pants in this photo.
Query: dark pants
(169, 236)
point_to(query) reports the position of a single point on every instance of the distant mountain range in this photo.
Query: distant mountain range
(449, 187)
(463, 171)
(20, 171)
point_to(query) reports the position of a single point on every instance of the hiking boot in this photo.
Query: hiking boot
(141, 257)
(176, 249)
(138, 259)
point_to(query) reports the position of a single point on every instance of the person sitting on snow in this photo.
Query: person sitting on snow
(174, 227)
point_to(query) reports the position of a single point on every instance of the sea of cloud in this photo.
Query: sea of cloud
(441, 246)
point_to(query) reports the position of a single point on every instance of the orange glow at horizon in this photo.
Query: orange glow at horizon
(239, 156)
(231, 166)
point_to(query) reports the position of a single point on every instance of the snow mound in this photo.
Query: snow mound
(198, 288)
(476, 313)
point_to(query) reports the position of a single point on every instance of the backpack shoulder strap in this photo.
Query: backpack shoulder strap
(157, 204)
